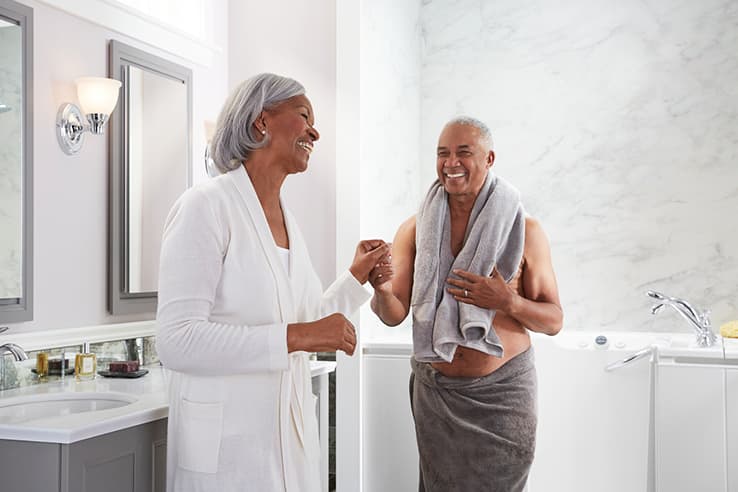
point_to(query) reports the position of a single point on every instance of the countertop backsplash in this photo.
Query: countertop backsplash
(18, 374)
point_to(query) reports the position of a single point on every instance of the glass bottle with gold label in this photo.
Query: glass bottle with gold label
(42, 365)
(85, 366)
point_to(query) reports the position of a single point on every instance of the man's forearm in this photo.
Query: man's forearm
(389, 308)
(542, 317)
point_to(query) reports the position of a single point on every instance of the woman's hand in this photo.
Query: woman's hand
(380, 277)
(367, 257)
(334, 332)
(486, 292)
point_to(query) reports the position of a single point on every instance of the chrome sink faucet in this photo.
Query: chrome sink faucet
(18, 354)
(699, 320)
(10, 348)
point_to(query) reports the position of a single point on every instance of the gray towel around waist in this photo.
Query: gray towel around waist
(494, 236)
(489, 423)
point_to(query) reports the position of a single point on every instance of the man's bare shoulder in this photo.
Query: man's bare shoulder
(404, 242)
(407, 228)
(536, 242)
(534, 229)
(533, 225)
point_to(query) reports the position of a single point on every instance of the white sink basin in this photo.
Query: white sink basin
(33, 407)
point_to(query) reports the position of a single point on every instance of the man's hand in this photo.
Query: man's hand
(486, 292)
(381, 275)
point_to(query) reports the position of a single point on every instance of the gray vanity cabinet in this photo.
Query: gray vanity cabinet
(129, 460)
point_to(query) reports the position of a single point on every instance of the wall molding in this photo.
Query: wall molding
(37, 340)
(120, 18)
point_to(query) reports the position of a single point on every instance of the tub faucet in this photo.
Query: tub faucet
(697, 319)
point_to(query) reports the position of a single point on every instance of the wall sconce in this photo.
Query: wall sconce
(98, 97)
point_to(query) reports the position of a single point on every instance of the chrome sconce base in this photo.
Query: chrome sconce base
(71, 127)
(210, 168)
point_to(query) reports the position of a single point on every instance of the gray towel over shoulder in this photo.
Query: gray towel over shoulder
(494, 236)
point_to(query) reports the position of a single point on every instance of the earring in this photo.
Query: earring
(263, 132)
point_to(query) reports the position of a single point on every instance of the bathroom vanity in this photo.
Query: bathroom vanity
(104, 434)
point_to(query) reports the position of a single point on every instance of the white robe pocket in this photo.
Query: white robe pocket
(200, 430)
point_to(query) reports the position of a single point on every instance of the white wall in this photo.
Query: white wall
(390, 112)
(390, 59)
(71, 192)
(618, 128)
(297, 40)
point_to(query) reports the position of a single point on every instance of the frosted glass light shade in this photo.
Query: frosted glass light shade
(97, 94)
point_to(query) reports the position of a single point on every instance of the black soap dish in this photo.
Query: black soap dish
(134, 374)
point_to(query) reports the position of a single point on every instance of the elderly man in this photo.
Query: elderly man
(477, 272)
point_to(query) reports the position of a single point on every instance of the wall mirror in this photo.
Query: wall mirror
(150, 167)
(16, 162)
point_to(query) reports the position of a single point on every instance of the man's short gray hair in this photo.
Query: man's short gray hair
(478, 124)
(235, 136)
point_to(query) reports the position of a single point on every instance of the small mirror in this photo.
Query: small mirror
(150, 168)
(16, 162)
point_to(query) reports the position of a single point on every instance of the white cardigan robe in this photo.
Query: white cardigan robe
(241, 409)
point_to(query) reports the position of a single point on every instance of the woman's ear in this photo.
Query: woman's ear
(260, 124)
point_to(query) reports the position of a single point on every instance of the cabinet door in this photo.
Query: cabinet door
(731, 386)
(121, 461)
(29, 466)
(689, 417)
(159, 455)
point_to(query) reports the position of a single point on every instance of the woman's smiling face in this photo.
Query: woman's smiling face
(291, 132)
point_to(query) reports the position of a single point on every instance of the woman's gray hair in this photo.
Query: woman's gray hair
(478, 124)
(235, 136)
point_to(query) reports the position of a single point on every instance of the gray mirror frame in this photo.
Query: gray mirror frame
(21, 309)
(120, 299)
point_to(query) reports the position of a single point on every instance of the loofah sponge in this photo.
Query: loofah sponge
(729, 329)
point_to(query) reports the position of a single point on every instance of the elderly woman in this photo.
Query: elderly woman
(240, 306)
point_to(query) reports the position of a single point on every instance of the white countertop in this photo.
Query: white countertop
(151, 404)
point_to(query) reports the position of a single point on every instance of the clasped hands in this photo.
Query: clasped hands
(372, 262)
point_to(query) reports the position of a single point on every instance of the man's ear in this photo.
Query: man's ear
(490, 159)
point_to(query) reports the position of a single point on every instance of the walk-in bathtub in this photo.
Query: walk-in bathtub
(594, 425)
(594, 428)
